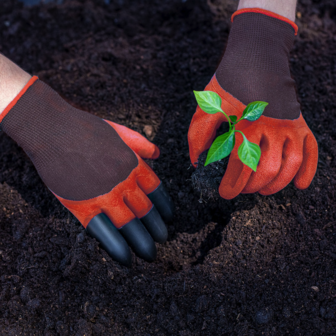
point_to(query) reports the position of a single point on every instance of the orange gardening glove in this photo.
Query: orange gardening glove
(95, 168)
(255, 67)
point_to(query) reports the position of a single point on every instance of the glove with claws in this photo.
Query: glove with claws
(95, 168)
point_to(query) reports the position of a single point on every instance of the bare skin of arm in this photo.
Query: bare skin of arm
(12, 81)
(286, 8)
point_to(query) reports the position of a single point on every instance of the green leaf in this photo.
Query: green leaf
(221, 147)
(249, 153)
(254, 110)
(233, 118)
(209, 101)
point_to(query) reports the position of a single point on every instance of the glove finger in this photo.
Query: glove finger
(151, 185)
(123, 211)
(163, 208)
(308, 167)
(202, 131)
(143, 208)
(163, 203)
(155, 225)
(135, 231)
(139, 239)
(138, 143)
(237, 174)
(101, 228)
(291, 161)
(268, 167)
(123, 214)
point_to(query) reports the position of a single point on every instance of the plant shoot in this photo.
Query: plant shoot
(248, 152)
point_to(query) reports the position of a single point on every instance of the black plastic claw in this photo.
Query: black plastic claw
(163, 203)
(101, 228)
(155, 225)
(139, 239)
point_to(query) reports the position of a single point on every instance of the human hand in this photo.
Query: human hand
(95, 168)
(255, 68)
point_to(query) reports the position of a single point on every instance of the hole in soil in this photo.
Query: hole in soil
(107, 56)
(333, 13)
(212, 240)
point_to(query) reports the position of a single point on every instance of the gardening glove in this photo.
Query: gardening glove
(94, 168)
(255, 67)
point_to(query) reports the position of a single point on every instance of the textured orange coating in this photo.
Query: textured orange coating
(289, 149)
(123, 203)
(136, 141)
(268, 13)
(16, 99)
(128, 199)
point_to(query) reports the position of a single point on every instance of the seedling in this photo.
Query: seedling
(248, 152)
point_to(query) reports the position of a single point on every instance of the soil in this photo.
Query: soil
(206, 179)
(251, 266)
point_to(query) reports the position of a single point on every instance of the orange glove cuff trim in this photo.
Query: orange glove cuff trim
(123, 203)
(16, 99)
(265, 12)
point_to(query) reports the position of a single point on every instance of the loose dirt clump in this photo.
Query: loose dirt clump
(206, 180)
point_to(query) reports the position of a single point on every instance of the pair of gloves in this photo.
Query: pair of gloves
(96, 169)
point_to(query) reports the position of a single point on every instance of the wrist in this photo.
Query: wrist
(286, 9)
(16, 98)
(267, 13)
(255, 66)
(12, 80)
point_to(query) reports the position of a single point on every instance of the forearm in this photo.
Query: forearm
(12, 81)
(286, 8)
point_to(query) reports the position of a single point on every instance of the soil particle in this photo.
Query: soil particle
(202, 304)
(84, 328)
(264, 316)
(148, 130)
(286, 312)
(33, 304)
(24, 294)
(61, 328)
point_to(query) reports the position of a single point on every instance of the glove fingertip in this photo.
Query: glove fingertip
(226, 191)
(226, 194)
(235, 178)
(156, 152)
(267, 191)
(307, 171)
(302, 183)
(193, 155)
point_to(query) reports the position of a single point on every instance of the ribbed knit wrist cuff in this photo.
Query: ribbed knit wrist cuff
(16, 99)
(265, 12)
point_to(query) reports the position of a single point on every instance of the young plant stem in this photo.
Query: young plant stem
(230, 125)
(241, 133)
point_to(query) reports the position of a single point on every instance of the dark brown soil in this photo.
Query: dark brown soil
(251, 266)
(206, 179)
